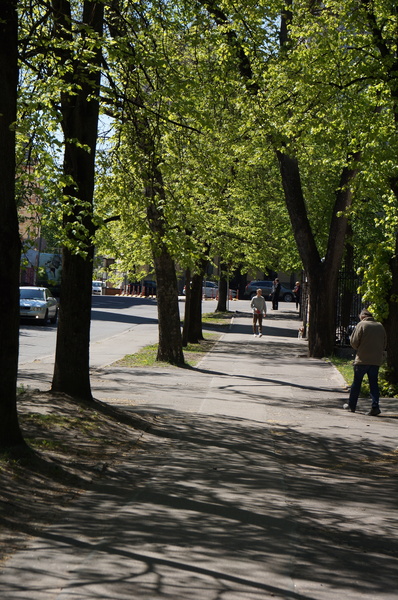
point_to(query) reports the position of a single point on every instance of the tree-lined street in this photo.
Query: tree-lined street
(237, 145)
(188, 141)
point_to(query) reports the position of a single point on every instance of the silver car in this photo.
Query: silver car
(96, 288)
(37, 303)
(285, 295)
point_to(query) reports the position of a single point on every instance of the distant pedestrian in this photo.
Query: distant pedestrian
(259, 309)
(369, 339)
(276, 288)
(297, 293)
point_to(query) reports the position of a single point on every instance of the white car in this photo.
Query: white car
(38, 304)
(210, 290)
(96, 288)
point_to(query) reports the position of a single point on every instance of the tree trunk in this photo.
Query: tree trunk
(322, 313)
(10, 433)
(347, 291)
(193, 311)
(170, 339)
(322, 272)
(195, 322)
(222, 292)
(79, 122)
(71, 371)
(187, 307)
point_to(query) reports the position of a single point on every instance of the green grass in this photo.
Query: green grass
(345, 366)
(49, 421)
(146, 357)
(193, 353)
(217, 318)
(45, 444)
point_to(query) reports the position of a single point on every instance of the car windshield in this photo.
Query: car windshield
(32, 294)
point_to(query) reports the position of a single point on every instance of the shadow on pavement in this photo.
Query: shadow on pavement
(220, 509)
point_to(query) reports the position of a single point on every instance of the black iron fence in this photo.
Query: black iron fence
(349, 305)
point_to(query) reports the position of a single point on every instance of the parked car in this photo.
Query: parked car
(96, 288)
(266, 286)
(210, 290)
(37, 303)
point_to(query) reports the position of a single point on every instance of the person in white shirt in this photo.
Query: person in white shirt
(259, 309)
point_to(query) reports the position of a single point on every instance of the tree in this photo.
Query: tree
(10, 433)
(61, 46)
(192, 331)
(180, 131)
(79, 106)
(302, 105)
(363, 36)
(376, 28)
(141, 93)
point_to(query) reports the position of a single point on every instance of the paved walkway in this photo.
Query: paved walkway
(252, 484)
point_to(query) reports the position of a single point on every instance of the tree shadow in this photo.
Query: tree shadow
(223, 508)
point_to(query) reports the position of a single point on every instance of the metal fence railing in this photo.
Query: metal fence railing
(349, 305)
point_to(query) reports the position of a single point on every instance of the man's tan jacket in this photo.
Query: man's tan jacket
(369, 339)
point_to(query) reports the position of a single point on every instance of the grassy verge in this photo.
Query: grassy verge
(146, 357)
(217, 318)
(193, 353)
(344, 365)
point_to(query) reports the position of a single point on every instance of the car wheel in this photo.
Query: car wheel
(288, 297)
(45, 320)
(54, 319)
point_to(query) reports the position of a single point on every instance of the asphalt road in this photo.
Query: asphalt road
(112, 317)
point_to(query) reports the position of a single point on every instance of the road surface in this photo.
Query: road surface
(118, 324)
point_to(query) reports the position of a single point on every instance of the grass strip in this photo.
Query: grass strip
(345, 367)
(217, 318)
(146, 357)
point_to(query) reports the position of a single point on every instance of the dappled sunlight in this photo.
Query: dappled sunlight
(247, 481)
(239, 510)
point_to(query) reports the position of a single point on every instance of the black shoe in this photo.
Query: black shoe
(374, 411)
(348, 407)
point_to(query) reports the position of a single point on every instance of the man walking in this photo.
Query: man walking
(369, 339)
(259, 309)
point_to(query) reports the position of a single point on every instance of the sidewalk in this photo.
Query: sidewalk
(253, 483)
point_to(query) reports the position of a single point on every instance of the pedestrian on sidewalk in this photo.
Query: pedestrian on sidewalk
(369, 339)
(259, 309)
(276, 288)
(297, 294)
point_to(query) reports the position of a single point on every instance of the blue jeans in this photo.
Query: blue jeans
(372, 371)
